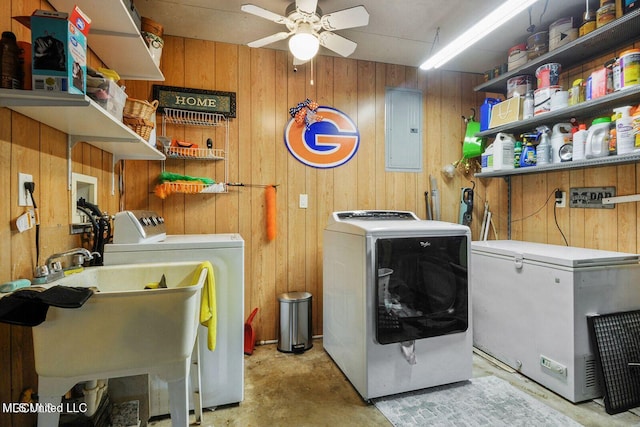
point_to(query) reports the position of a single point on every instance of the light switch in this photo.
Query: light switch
(304, 201)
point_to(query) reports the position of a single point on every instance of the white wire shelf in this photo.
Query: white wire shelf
(193, 118)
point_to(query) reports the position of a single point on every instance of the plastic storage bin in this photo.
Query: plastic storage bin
(295, 322)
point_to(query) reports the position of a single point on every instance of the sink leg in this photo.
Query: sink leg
(51, 416)
(179, 398)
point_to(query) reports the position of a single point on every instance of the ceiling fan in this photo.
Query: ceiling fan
(309, 29)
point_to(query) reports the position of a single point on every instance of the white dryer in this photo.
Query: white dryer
(396, 306)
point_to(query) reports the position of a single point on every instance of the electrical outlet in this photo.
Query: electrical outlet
(23, 195)
(561, 201)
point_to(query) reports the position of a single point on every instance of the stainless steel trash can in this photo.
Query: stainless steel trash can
(295, 322)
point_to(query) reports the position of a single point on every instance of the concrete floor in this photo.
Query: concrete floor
(310, 390)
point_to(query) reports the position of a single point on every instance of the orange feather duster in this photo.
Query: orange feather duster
(270, 201)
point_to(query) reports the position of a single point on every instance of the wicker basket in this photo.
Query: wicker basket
(139, 108)
(140, 126)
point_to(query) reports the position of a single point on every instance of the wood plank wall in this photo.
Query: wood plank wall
(266, 87)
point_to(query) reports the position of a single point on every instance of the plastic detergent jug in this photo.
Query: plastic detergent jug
(579, 140)
(624, 130)
(597, 144)
(487, 159)
(503, 151)
(485, 112)
(560, 136)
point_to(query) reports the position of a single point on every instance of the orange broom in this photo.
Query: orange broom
(270, 201)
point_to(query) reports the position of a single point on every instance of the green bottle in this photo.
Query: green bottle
(517, 151)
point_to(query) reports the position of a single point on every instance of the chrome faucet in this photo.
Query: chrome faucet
(84, 255)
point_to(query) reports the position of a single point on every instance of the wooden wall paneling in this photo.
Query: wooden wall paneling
(345, 99)
(577, 235)
(174, 68)
(380, 177)
(290, 89)
(243, 149)
(366, 177)
(450, 149)
(601, 224)
(413, 181)
(9, 183)
(262, 142)
(52, 195)
(200, 73)
(25, 158)
(227, 79)
(311, 267)
(395, 77)
(517, 208)
(626, 219)
(324, 181)
(297, 233)
(433, 132)
(535, 199)
(559, 180)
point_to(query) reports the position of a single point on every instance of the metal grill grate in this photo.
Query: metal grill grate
(616, 338)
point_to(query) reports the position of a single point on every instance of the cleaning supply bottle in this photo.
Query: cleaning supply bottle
(528, 156)
(579, 140)
(625, 134)
(597, 144)
(560, 136)
(543, 150)
(503, 151)
(517, 152)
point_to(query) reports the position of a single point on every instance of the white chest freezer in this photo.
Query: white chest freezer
(530, 307)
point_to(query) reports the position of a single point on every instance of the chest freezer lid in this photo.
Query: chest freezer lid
(566, 256)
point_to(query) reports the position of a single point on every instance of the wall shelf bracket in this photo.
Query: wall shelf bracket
(621, 199)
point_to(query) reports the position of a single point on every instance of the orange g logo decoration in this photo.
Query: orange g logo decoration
(327, 143)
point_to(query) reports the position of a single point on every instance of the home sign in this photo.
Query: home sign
(202, 100)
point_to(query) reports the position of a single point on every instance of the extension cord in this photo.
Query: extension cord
(26, 221)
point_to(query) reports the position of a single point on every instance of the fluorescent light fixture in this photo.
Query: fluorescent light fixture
(304, 44)
(492, 21)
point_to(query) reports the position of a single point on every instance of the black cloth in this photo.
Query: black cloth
(28, 307)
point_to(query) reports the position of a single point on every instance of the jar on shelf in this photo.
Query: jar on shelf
(10, 70)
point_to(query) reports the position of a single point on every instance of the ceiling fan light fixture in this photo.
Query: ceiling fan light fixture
(304, 44)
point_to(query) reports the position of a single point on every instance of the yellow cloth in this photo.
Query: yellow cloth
(208, 316)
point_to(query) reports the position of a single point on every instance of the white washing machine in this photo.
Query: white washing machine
(139, 236)
(397, 312)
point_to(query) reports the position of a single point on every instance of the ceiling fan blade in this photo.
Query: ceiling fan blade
(307, 6)
(336, 43)
(348, 18)
(269, 39)
(263, 13)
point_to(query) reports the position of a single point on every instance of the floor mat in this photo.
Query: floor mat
(483, 401)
